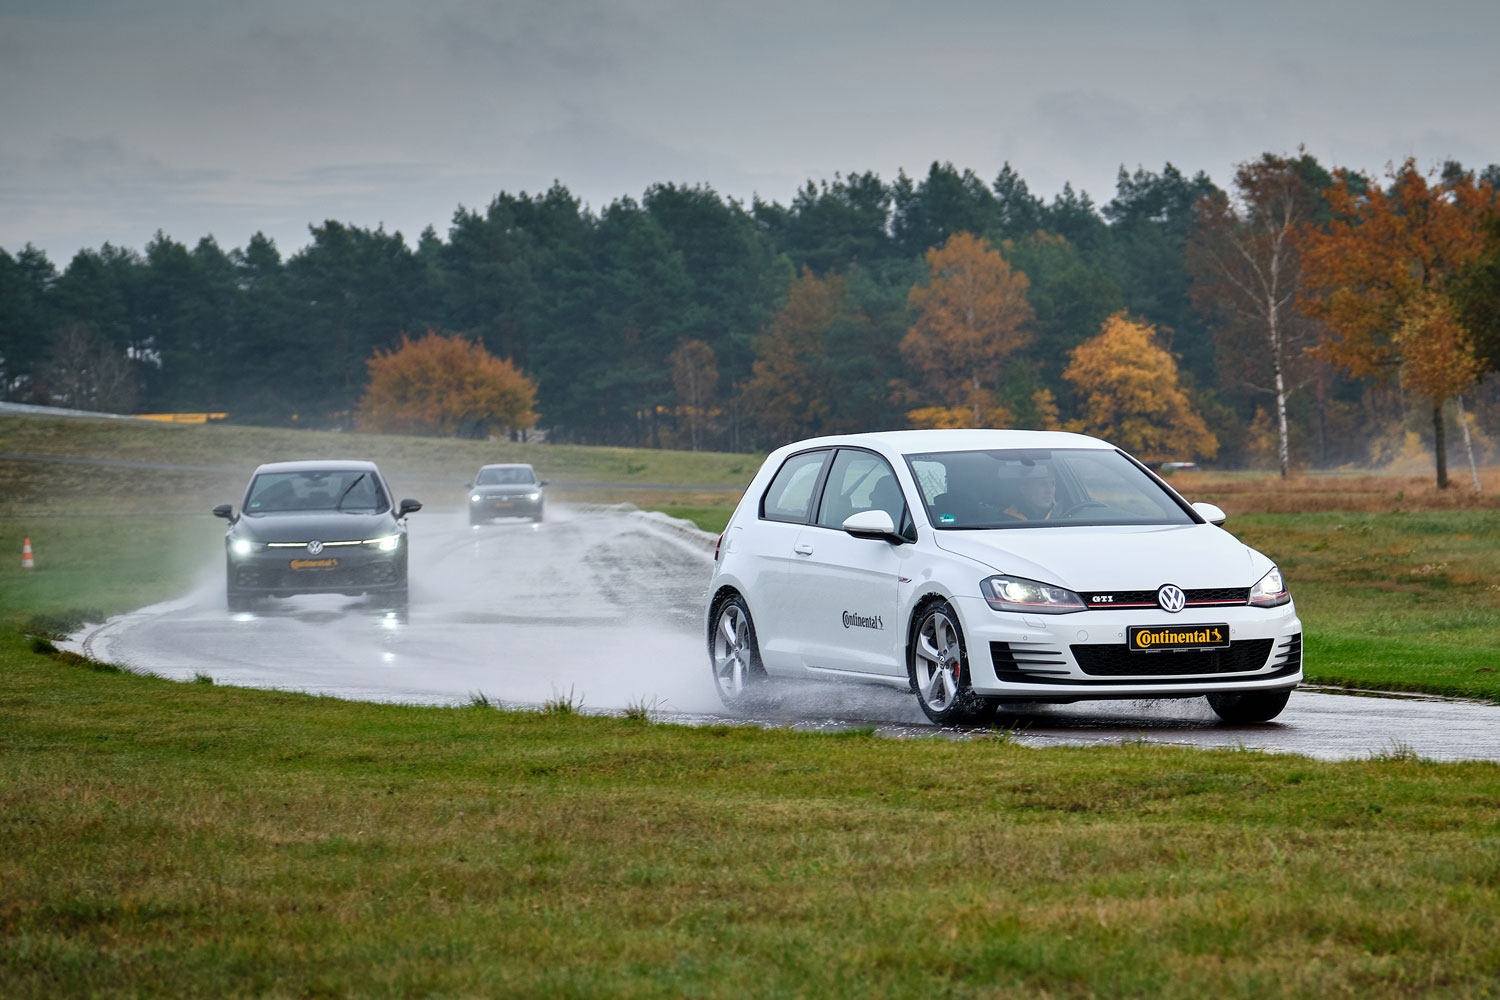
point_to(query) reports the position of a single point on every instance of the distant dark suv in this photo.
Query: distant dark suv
(506, 491)
(316, 527)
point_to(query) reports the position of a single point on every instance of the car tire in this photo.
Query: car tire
(238, 602)
(538, 516)
(1249, 706)
(734, 653)
(937, 665)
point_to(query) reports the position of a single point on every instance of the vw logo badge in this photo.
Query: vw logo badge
(313, 548)
(1171, 598)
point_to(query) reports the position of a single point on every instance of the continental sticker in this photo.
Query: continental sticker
(1178, 636)
(314, 563)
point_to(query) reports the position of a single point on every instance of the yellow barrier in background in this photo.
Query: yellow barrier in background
(182, 418)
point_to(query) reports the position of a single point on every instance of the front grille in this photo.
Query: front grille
(266, 578)
(1118, 661)
(1204, 597)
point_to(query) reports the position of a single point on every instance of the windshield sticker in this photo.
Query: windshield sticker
(946, 518)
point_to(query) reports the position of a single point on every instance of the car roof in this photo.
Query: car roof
(331, 465)
(957, 439)
(506, 465)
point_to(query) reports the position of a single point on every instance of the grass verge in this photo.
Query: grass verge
(195, 840)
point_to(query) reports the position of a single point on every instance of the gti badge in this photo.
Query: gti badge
(1171, 598)
(313, 548)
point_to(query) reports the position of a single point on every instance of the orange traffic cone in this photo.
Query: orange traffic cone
(26, 561)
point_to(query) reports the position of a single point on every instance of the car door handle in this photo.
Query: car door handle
(802, 549)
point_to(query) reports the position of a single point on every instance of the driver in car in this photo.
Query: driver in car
(1033, 494)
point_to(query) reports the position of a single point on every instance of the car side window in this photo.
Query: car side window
(860, 481)
(790, 495)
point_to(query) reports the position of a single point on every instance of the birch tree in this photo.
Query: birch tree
(1247, 271)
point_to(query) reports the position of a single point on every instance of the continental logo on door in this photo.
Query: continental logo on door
(852, 620)
(1178, 637)
(314, 563)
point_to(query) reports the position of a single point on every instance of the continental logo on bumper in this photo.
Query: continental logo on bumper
(852, 620)
(314, 563)
(1192, 637)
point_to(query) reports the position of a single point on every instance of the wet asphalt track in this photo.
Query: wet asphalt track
(604, 609)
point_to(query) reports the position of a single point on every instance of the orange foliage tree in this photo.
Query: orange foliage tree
(1381, 275)
(972, 315)
(1127, 386)
(788, 394)
(444, 386)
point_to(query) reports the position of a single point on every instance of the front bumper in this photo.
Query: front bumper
(1077, 656)
(504, 506)
(282, 572)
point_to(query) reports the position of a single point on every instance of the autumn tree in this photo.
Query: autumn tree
(444, 386)
(1381, 276)
(695, 376)
(972, 314)
(787, 395)
(1246, 270)
(1127, 385)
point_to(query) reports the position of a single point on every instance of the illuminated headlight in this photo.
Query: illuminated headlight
(1271, 591)
(475, 498)
(1011, 593)
(241, 546)
(533, 496)
(385, 544)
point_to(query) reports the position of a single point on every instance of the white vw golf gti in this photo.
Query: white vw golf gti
(979, 568)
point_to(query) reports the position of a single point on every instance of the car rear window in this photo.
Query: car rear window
(789, 497)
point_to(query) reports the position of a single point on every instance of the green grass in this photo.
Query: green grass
(1396, 601)
(195, 840)
(419, 461)
(165, 839)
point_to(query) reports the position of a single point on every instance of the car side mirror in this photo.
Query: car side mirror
(541, 482)
(1210, 513)
(468, 486)
(225, 511)
(875, 524)
(408, 507)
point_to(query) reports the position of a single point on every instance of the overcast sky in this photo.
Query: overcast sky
(198, 117)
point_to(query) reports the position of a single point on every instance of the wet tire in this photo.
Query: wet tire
(734, 653)
(238, 602)
(1249, 706)
(235, 600)
(937, 664)
(539, 515)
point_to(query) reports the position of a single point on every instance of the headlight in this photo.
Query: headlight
(533, 496)
(241, 546)
(475, 498)
(1270, 591)
(1011, 593)
(385, 544)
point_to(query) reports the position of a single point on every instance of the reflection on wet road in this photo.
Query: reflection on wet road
(605, 609)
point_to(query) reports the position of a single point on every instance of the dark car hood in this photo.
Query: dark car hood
(506, 489)
(322, 526)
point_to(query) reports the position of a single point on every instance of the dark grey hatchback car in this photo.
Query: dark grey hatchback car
(316, 527)
(509, 490)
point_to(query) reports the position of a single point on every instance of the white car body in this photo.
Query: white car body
(826, 604)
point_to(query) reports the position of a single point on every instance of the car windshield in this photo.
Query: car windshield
(1038, 488)
(355, 491)
(509, 475)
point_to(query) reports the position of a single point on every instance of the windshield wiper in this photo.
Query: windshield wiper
(340, 504)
